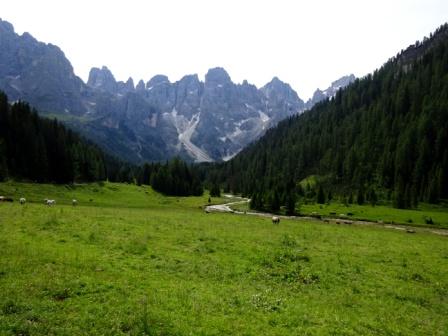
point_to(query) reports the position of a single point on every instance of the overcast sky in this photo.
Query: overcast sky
(305, 43)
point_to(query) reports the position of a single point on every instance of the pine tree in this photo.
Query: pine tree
(215, 190)
(360, 197)
(291, 200)
(350, 199)
(372, 197)
(274, 202)
(320, 196)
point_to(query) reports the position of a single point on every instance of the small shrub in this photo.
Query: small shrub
(265, 302)
(417, 277)
(61, 295)
(288, 241)
(10, 307)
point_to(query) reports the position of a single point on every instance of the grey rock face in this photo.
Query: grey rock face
(140, 86)
(200, 121)
(331, 91)
(126, 87)
(38, 73)
(102, 80)
(281, 100)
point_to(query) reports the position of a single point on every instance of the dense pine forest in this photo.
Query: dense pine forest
(43, 150)
(383, 137)
(172, 178)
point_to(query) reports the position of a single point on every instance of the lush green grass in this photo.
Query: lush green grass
(379, 213)
(387, 214)
(101, 194)
(134, 262)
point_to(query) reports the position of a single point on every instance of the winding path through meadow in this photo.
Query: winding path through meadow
(406, 228)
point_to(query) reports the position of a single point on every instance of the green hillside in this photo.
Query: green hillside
(134, 262)
(384, 137)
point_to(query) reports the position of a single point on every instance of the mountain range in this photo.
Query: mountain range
(210, 120)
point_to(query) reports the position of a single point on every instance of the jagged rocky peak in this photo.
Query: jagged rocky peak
(189, 84)
(329, 92)
(130, 84)
(102, 79)
(5, 26)
(140, 85)
(217, 76)
(278, 85)
(38, 73)
(126, 87)
(157, 80)
(318, 95)
(279, 90)
(343, 82)
(189, 79)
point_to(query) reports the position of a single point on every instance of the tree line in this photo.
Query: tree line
(43, 150)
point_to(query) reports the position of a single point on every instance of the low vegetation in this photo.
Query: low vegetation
(130, 261)
(429, 215)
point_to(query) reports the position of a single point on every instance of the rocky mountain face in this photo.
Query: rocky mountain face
(38, 73)
(320, 95)
(198, 121)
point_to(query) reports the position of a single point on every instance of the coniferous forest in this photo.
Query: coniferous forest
(385, 136)
(43, 150)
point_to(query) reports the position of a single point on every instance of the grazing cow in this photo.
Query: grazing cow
(50, 202)
(22, 200)
(275, 220)
(74, 202)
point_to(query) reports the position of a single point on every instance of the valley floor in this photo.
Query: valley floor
(130, 261)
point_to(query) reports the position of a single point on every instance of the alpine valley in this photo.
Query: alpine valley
(200, 121)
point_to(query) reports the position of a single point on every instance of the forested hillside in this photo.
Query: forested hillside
(43, 150)
(385, 135)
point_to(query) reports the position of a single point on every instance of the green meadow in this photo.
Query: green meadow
(378, 213)
(129, 261)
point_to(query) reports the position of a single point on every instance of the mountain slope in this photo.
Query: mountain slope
(199, 121)
(331, 91)
(43, 150)
(385, 133)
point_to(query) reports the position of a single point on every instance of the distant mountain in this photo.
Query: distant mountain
(38, 73)
(384, 136)
(200, 121)
(331, 91)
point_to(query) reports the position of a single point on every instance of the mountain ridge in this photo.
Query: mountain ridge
(208, 120)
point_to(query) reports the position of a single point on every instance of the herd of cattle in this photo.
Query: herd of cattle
(22, 200)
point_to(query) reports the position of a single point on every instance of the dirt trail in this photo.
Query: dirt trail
(406, 228)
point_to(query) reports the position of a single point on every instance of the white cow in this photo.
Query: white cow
(275, 220)
(22, 200)
(50, 202)
(74, 202)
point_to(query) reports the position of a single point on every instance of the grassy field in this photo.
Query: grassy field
(128, 261)
(378, 213)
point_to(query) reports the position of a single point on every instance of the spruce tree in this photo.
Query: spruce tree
(320, 196)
